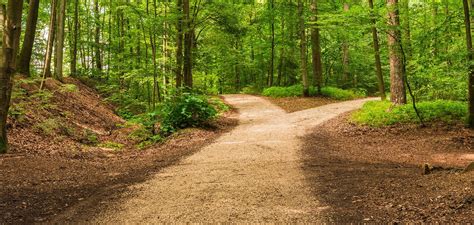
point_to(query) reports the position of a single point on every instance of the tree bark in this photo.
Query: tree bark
(397, 76)
(10, 22)
(345, 55)
(179, 45)
(272, 59)
(467, 23)
(75, 39)
(58, 72)
(98, 57)
(378, 63)
(188, 46)
(49, 47)
(28, 42)
(316, 48)
(304, 66)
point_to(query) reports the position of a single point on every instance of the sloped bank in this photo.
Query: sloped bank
(64, 151)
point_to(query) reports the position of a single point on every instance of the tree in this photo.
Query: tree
(303, 57)
(179, 44)
(345, 55)
(27, 49)
(470, 50)
(50, 44)
(188, 46)
(10, 23)
(378, 63)
(397, 76)
(316, 48)
(58, 72)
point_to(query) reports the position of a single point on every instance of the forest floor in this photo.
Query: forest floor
(53, 165)
(251, 174)
(310, 165)
(375, 174)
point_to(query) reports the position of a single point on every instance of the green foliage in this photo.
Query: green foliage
(68, 88)
(280, 92)
(111, 145)
(251, 90)
(89, 137)
(152, 140)
(297, 90)
(185, 110)
(47, 127)
(340, 94)
(383, 113)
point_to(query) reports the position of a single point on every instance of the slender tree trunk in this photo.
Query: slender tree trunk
(304, 66)
(179, 45)
(282, 52)
(316, 48)
(98, 55)
(58, 72)
(397, 77)
(345, 55)
(272, 60)
(28, 42)
(10, 23)
(188, 46)
(467, 23)
(378, 64)
(49, 47)
(75, 39)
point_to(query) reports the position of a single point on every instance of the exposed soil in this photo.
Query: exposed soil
(251, 174)
(44, 174)
(375, 174)
(295, 104)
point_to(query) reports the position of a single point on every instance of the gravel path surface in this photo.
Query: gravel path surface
(251, 174)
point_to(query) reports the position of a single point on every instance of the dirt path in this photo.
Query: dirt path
(251, 174)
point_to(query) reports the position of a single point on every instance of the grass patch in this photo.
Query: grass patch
(297, 90)
(47, 127)
(383, 113)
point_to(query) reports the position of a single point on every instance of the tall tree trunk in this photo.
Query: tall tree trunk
(10, 23)
(272, 60)
(345, 55)
(179, 45)
(49, 47)
(378, 63)
(397, 77)
(316, 48)
(467, 23)
(28, 42)
(58, 72)
(188, 46)
(304, 66)
(282, 51)
(75, 39)
(98, 57)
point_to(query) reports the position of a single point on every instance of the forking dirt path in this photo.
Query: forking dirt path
(251, 174)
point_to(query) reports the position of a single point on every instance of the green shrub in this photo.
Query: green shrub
(281, 92)
(382, 113)
(297, 90)
(340, 94)
(150, 141)
(185, 110)
(251, 90)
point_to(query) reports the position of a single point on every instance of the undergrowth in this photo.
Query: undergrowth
(383, 113)
(297, 90)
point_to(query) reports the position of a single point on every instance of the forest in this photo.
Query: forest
(134, 74)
